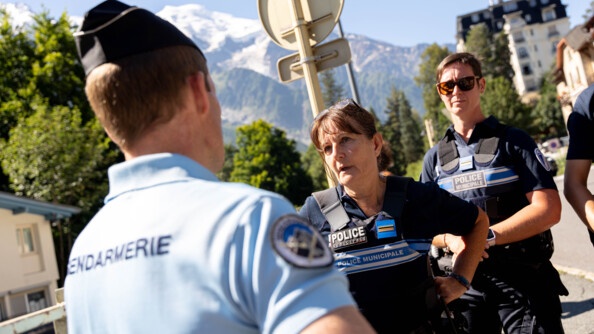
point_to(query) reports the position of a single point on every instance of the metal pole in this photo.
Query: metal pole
(307, 59)
(310, 71)
(352, 82)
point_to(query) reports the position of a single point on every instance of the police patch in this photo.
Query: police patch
(542, 159)
(299, 243)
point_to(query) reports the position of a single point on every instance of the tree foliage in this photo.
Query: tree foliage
(16, 54)
(492, 50)
(332, 92)
(314, 166)
(52, 156)
(47, 96)
(547, 115)
(434, 108)
(225, 173)
(52, 147)
(402, 132)
(266, 159)
(501, 100)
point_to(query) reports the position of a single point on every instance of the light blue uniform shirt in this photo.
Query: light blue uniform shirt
(174, 250)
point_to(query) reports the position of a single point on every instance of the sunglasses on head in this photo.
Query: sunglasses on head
(341, 105)
(346, 102)
(465, 84)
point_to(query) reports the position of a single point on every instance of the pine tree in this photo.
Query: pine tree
(392, 131)
(432, 56)
(332, 92)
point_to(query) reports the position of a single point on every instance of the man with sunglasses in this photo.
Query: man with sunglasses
(500, 169)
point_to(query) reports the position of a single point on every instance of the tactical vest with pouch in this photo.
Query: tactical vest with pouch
(391, 282)
(487, 179)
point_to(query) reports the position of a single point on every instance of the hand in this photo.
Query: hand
(448, 288)
(456, 245)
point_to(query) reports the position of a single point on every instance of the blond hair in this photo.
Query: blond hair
(133, 93)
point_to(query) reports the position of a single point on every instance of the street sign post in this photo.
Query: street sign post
(328, 55)
(277, 17)
(301, 25)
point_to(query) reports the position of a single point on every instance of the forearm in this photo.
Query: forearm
(582, 202)
(543, 212)
(474, 244)
(576, 189)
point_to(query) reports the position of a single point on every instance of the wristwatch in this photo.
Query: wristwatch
(491, 238)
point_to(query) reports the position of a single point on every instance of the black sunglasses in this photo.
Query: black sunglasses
(465, 84)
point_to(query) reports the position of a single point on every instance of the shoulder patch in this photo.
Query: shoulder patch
(299, 243)
(542, 159)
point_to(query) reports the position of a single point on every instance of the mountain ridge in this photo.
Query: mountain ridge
(243, 59)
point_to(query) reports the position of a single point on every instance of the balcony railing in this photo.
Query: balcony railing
(54, 314)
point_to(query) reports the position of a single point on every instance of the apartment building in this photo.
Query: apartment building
(28, 265)
(575, 64)
(534, 29)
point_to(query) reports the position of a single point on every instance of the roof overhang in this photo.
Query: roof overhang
(49, 211)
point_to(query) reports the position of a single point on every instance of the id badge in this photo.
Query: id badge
(467, 163)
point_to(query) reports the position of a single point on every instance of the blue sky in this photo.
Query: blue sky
(402, 23)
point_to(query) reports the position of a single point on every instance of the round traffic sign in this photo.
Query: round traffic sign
(277, 18)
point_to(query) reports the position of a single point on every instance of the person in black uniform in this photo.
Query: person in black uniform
(500, 169)
(580, 155)
(381, 227)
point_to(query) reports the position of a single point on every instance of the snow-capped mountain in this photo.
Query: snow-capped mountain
(243, 58)
(229, 42)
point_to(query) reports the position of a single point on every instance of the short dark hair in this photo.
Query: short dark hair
(460, 57)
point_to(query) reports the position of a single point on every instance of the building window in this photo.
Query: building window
(36, 301)
(2, 313)
(499, 25)
(526, 70)
(516, 21)
(510, 7)
(554, 46)
(548, 15)
(533, 3)
(518, 37)
(475, 18)
(544, 2)
(531, 85)
(535, 48)
(25, 239)
(522, 53)
(539, 64)
(531, 32)
(528, 18)
(553, 31)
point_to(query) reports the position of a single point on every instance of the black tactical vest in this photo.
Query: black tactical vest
(485, 176)
(391, 282)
